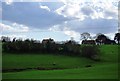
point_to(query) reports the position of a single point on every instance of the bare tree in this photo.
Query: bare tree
(85, 36)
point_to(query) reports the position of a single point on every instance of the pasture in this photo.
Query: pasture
(62, 67)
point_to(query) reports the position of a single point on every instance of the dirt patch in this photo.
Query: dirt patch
(38, 68)
(88, 66)
(12, 70)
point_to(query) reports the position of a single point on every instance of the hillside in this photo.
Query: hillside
(65, 67)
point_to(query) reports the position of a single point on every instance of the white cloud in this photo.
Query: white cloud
(13, 28)
(20, 27)
(105, 9)
(4, 27)
(110, 35)
(68, 10)
(73, 9)
(66, 30)
(72, 33)
(96, 15)
(95, 9)
(55, 28)
(45, 7)
(8, 1)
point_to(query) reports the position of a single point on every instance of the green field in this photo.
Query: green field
(69, 67)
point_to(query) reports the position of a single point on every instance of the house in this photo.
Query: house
(88, 42)
(45, 41)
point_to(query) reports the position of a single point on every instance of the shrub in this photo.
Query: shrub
(90, 51)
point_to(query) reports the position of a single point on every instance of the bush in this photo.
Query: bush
(90, 51)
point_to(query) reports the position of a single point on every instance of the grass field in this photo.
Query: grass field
(70, 67)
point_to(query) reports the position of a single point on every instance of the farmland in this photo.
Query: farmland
(62, 67)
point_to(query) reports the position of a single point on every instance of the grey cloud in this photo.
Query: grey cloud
(94, 25)
(87, 10)
(110, 14)
(29, 13)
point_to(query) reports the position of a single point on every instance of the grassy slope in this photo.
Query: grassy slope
(102, 72)
(11, 61)
(98, 72)
(106, 69)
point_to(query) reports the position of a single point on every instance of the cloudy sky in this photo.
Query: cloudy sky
(58, 19)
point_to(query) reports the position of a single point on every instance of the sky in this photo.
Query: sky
(58, 19)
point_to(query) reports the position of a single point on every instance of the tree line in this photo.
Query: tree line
(69, 48)
(49, 46)
(99, 39)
